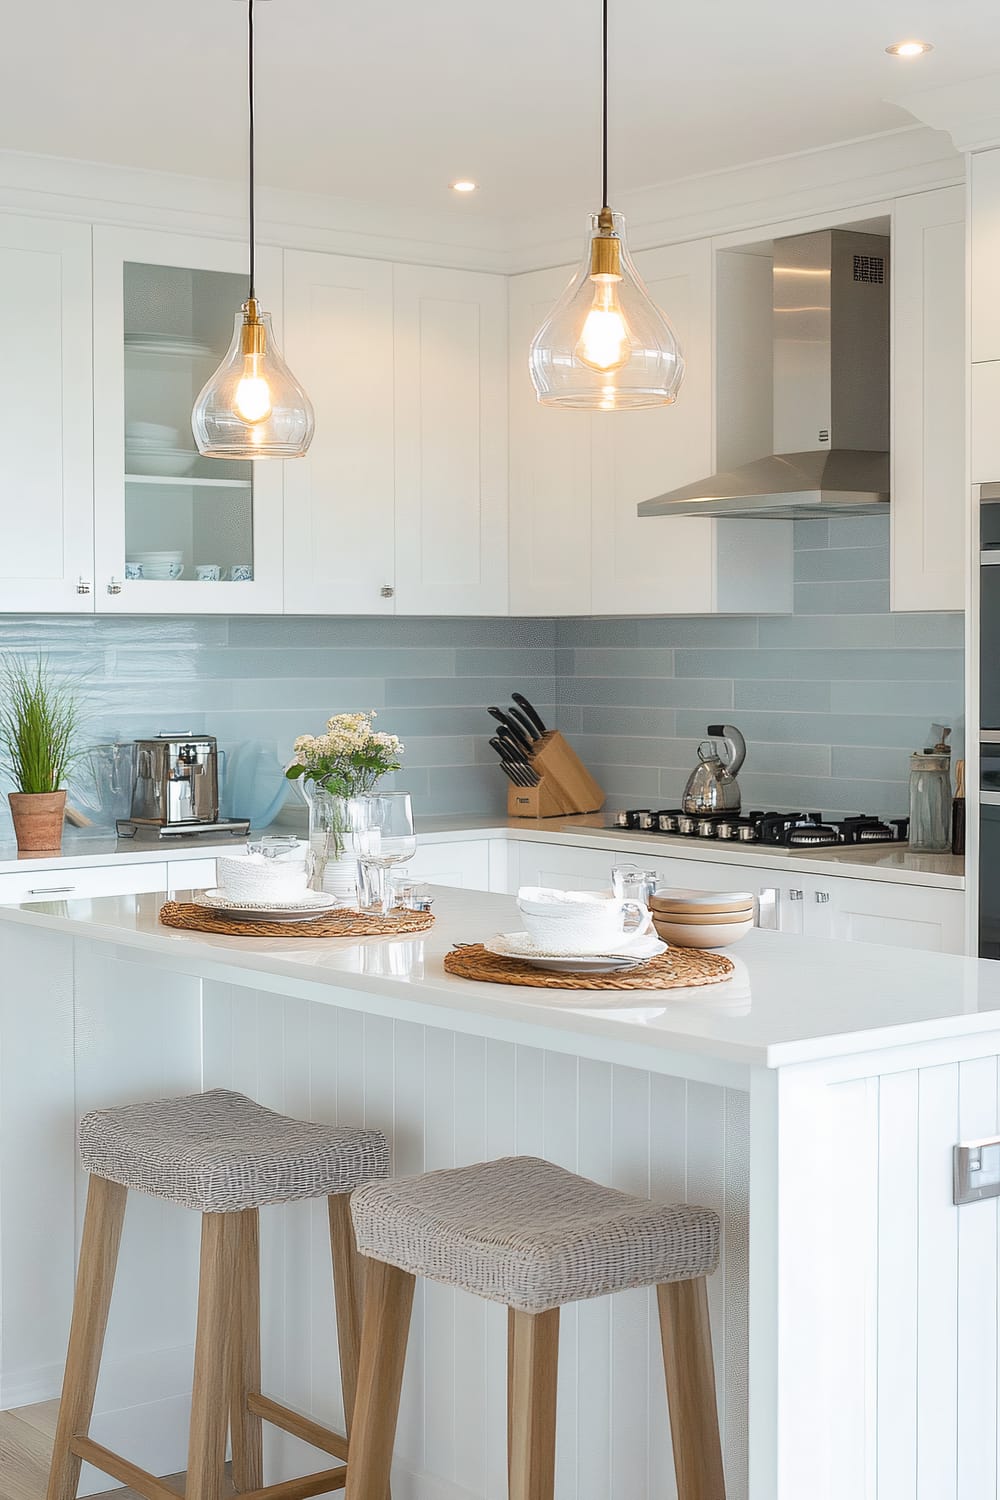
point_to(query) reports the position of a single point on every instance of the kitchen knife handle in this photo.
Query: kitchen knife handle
(512, 729)
(532, 712)
(523, 722)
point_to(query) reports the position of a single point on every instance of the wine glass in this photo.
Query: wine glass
(381, 835)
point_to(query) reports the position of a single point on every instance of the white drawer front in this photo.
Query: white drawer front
(191, 874)
(68, 884)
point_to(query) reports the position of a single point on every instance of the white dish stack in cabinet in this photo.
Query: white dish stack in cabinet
(401, 504)
(578, 545)
(46, 420)
(166, 283)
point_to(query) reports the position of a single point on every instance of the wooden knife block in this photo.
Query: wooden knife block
(566, 785)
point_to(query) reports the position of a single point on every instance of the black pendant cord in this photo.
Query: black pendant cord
(603, 110)
(253, 227)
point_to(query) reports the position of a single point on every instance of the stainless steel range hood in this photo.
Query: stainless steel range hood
(831, 390)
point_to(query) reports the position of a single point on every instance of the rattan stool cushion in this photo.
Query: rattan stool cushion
(527, 1233)
(220, 1152)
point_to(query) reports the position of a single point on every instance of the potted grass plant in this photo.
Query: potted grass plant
(39, 726)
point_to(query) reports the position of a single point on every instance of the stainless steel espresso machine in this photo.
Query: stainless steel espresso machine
(175, 793)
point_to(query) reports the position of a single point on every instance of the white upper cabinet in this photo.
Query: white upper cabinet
(47, 556)
(984, 255)
(451, 441)
(340, 499)
(578, 545)
(929, 497)
(550, 472)
(659, 565)
(164, 309)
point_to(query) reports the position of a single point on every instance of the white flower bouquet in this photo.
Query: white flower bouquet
(349, 759)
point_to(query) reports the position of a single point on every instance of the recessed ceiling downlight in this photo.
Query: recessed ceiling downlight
(464, 185)
(909, 49)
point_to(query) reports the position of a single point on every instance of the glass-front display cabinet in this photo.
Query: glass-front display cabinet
(175, 531)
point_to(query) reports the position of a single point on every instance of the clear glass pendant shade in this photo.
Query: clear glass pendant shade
(253, 407)
(606, 345)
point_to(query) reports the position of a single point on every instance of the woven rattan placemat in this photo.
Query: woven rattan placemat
(678, 968)
(341, 923)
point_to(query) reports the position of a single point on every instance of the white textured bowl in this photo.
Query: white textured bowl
(251, 877)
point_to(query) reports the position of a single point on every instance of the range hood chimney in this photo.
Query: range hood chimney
(831, 390)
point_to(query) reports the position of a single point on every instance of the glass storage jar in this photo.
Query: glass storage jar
(930, 803)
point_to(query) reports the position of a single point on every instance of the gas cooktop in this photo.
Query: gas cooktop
(790, 830)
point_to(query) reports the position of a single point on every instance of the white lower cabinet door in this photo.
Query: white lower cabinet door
(67, 884)
(928, 918)
(466, 863)
(565, 867)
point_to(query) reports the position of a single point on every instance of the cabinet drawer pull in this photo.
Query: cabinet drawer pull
(114, 587)
(49, 890)
(83, 587)
(795, 895)
(767, 908)
(822, 897)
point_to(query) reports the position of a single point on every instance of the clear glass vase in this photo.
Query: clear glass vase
(334, 863)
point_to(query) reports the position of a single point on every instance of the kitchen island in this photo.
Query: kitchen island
(813, 1099)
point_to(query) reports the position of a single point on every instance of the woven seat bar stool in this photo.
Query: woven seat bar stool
(530, 1235)
(224, 1156)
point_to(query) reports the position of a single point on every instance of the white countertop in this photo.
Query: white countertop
(791, 999)
(887, 862)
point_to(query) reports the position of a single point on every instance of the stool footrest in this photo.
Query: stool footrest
(151, 1488)
(313, 1433)
(137, 1479)
(300, 1489)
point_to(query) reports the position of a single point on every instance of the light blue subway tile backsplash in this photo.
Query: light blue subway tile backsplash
(832, 698)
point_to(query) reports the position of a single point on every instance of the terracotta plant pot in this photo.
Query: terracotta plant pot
(38, 820)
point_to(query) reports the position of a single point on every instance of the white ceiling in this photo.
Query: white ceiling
(386, 101)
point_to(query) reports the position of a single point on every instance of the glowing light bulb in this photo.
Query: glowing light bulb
(604, 339)
(252, 402)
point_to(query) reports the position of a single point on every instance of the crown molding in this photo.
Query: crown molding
(749, 198)
(60, 187)
(968, 112)
(841, 178)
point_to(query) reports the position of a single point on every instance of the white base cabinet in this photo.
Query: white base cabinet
(930, 918)
(465, 863)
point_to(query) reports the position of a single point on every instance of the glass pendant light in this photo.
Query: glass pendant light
(252, 407)
(606, 346)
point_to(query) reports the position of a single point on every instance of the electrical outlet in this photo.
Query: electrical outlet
(977, 1171)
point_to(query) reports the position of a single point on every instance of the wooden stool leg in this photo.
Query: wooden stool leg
(210, 1395)
(102, 1231)
(244, 1354)
(687, 1361)
(385, 1329)
(533, 1358)
(347, 1264)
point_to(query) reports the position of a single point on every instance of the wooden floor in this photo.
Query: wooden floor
(25, 1446)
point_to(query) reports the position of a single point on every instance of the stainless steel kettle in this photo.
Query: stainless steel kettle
(712, 786)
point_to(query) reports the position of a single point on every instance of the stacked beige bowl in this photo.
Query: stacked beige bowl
(702, 919)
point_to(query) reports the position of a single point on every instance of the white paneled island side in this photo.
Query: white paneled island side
(813, 1099)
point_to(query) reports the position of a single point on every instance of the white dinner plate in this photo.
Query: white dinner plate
(301, 909)
(628, 956)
